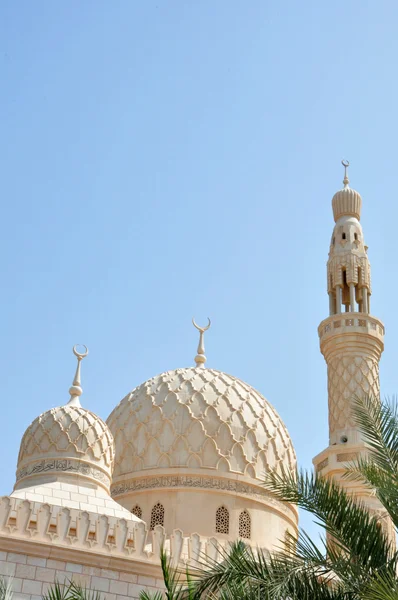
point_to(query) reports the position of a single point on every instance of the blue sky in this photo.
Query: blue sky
(168, 159)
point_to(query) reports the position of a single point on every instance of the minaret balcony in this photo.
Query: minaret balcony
(351, 323)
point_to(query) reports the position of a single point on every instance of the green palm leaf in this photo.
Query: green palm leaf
(384, 586)
(353, 529)
(144, 595)
(6, 592)
(70, 591)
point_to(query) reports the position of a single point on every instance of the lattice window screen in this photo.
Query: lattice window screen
(137, 511)
(245, 525)
(222, 520)
(157, 515)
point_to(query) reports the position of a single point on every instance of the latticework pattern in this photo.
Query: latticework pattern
(157, 515)
(137, 511)
(198, 418)
(349, 376)
(245, 525)
(222, 520)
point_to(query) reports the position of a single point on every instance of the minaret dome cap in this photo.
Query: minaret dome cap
(346, 202)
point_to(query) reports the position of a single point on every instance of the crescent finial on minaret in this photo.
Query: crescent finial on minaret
(75, 390)
(346, 164)
(200, 358)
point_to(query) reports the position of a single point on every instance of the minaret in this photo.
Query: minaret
(351, 340)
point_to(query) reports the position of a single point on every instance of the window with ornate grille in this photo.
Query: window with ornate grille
(245, 525)
(157, 515)
(137, 511)
(222, 520)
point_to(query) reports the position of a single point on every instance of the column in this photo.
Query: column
(352, 297)
(338, 300)
(331, 304)
(365, 300)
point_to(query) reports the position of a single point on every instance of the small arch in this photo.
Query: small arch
(137, 511)
(222, 520)
(343, 236)
(355, 236)
(157, 516)
(245, 525)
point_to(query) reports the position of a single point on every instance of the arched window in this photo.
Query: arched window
(245, 525)
(222, 520)
(137, 511)
(157, 515)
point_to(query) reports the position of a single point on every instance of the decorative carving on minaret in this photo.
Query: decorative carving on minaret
(348, 269)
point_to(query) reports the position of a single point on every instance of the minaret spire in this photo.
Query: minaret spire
(75, 390)
(200, 358)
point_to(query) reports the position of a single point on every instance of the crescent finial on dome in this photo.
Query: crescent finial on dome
(75, 390)
(346, 164)
(200, 358)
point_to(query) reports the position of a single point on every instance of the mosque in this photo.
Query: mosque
(180, 460)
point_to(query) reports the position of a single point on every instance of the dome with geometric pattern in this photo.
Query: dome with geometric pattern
(198, 418)
(67, 433)
(68, 440)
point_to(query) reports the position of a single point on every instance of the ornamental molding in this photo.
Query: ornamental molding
(62, 465)
(73, 535)
(199, 482)
(324, 463)
(346, 456)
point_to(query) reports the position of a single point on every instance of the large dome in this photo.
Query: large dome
(198, 418)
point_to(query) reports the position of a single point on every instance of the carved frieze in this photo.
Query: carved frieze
(198, 482)
(63, 465)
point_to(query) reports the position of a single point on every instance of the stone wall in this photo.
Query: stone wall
(32, 576)
(42, 543)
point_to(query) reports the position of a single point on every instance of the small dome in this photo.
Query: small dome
(198, 418)
(68, 439)
(347, 202)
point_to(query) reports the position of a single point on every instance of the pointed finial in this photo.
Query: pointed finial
(200, 358)
(75, 390)
(345, 164)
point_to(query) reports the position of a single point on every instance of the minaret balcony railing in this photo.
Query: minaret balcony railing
(351, 323)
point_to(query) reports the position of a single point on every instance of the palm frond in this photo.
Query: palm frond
(265, 576)
(241, 591)
(353, 529)
(382, 483)
(144, 595)
(78, 592)
(6, 592)
(70, 590)
(383, 586)
(59, 591)
(379, 426)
